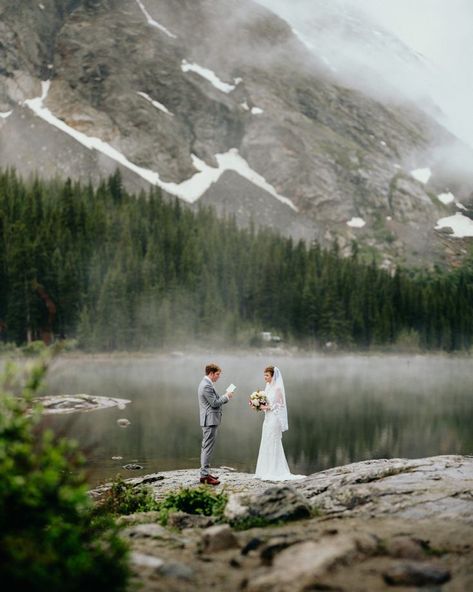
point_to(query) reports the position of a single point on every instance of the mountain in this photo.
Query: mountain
(223, 103)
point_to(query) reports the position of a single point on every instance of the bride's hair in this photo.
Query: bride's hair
(270, 369)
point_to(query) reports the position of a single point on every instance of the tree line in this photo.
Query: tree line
(118, 271)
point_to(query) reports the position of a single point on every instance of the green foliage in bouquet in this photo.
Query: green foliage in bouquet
(49, 538)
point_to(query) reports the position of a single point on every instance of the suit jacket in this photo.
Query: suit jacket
(210, 404)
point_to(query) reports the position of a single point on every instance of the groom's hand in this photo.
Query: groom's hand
(229, 394)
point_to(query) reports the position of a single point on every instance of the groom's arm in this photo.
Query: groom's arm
(214, 400)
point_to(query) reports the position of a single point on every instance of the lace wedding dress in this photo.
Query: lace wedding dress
(272, 464)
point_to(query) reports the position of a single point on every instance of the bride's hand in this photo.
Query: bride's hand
(264, 407)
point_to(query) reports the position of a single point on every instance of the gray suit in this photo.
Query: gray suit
(210, 409)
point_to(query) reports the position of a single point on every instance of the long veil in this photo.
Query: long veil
(278, 384)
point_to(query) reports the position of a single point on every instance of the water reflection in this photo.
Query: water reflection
(341, 409)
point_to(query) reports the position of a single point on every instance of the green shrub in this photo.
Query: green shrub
(50, 540)
(198, 500)
(35, 348)
(123, 499)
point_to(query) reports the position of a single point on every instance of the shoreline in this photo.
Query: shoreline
(175, 354)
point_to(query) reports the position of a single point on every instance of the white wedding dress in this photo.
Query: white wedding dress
(272, 464)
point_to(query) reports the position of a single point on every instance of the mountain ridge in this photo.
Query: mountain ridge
(146, 78)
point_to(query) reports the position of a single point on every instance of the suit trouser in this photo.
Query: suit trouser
(209, 435)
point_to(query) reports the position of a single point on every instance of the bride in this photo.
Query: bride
(272, 464)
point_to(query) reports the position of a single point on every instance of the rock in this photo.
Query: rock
(146, 531)
(218, 538)
(149, 479)
(405, 547)
(183, 520)
(123, 422)
(132, 467)
(299, 566)
(274, 546)
(415, 574)
(143, 560)
(395, 487)
(139, 518)
(251, 545)
(177, 570)
(237, 506)
(276, 504)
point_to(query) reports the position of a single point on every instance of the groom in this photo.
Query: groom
(210, 408)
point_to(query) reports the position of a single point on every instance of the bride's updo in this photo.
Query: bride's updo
(270, 369)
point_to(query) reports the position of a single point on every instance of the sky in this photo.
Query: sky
(441, 30)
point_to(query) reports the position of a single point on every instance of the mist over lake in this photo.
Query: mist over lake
(342, 409)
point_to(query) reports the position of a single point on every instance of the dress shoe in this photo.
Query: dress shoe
(209, 480)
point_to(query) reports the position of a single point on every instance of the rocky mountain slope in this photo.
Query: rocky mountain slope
(221, 102)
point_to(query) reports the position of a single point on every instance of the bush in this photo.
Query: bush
(50, 540)
(124, 498)
(35, 348)
(198, 500)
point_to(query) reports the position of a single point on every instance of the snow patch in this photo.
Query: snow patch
(460, 224)
(41, 6)
(191, 189)
(5, 114)
(422, 175)
(156, 104)
(245, 106)
(356, 223)
(154, 23)
(460, 206)
(446, 198)
(209, 75)
(257, 111)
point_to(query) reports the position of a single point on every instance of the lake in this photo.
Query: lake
(342, 408)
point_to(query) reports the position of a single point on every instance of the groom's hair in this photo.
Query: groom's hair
(212, 368)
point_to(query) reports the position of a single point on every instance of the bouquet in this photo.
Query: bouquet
(257, 399)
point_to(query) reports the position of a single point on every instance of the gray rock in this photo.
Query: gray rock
(146, 531)
(144, 560)
(183, 520)
(132, 467)
(405, 547)
(396, 487)
(218, 538)
(177, 570)
(279, 503)
(416, 574)
(299, 566)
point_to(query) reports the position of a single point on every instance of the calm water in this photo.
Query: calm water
(341, 409)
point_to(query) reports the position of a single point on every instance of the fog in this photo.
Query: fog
(341, 408)
(420, 49)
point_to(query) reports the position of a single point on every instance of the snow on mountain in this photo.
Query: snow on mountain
(208, 75)
(153, 22)
(223, 102)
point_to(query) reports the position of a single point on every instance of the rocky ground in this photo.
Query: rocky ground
(368, 526)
